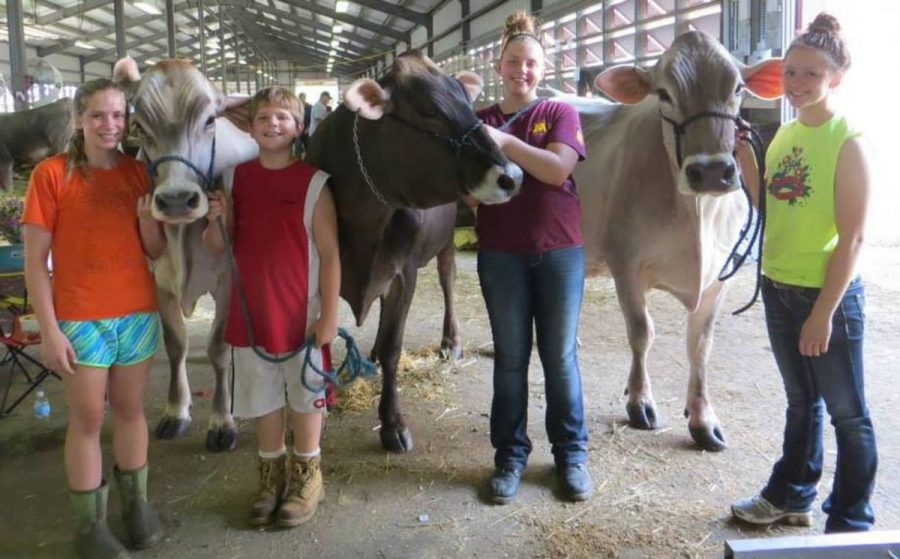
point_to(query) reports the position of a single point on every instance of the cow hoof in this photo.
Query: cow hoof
(221, 439)
(642, 416)
(711, 440)
(451, 353)
(394, 440)
(172, 427)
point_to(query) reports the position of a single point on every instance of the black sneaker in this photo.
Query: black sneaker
(505, 483)
(575, 482)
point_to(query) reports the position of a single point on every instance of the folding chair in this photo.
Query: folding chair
(14, 310)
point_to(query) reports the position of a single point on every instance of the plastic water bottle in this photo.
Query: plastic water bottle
(42, 407)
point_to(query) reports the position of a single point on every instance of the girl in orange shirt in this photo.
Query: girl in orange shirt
(90, 207)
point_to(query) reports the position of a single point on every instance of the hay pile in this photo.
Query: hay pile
(423, 374)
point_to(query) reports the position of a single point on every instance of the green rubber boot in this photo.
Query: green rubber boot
(141, 521)
(93, 538)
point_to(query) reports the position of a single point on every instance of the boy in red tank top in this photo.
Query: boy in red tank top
(284, 229)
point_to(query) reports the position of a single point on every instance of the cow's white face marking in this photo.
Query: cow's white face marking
(490, 191)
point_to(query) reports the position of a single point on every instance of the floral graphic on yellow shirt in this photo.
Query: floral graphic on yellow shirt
(790, 181)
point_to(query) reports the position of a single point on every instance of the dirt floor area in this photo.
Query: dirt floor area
(657, 495)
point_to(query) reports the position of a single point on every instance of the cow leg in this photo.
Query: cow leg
(395, 435)
(176, 417)
(703, 423)
(632, 299)
(446, 262)
(222, 432)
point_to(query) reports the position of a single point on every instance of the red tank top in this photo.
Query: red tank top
(276, 258)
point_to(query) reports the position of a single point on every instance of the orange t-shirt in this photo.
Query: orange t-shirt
(99, 267)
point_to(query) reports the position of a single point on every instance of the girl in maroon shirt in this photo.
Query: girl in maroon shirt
(531, 269)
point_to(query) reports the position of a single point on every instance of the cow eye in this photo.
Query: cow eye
(211, 121)
(739, 90)
(663, 95)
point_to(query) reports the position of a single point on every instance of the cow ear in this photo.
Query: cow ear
(472, 82)
(763, 79)
(236, 108)
(367, 98)
(126, 74)
(625, 83)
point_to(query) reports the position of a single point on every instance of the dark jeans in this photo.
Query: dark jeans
(835, 379)
(543, 292)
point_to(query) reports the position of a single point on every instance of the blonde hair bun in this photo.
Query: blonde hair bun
(824, 23)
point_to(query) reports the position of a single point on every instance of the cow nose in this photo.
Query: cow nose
(506, 183)
(175, 200)
(714, 175)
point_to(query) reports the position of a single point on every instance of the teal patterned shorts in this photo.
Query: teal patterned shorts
(123, 340)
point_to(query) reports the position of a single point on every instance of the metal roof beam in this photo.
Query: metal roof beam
(103, 32)
(395, 10)
(78, 9)
(312, 25)
(347, 18)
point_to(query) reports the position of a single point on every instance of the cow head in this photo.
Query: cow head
(185, 143)
(431, 114)
(697, 87)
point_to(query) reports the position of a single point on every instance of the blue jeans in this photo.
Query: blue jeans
(833, 381)
(544, 290)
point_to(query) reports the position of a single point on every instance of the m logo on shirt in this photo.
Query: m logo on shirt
(790, 181)
(539, 128)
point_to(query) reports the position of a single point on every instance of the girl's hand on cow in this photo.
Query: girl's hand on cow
(218, 204)
(57, 352)
(145, 207)
(471, 201)
(324, 330)
(815, 334)
(500, 138)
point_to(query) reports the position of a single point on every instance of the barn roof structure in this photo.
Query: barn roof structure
(340, 37)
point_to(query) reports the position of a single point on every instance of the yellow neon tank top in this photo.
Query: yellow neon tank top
(800, 225)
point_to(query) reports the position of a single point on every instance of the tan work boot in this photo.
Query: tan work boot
(272, 488)
(305, 491)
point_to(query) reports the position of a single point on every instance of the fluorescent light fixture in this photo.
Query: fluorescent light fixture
(335, 43)
(332, 52)
(337, 28)
(149, 8)
(84, 45)
(341, 6)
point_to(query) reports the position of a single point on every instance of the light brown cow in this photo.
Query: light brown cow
(26, 137)
(661, 202)
(187, 142)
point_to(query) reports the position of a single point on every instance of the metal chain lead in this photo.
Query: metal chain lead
(362, 166)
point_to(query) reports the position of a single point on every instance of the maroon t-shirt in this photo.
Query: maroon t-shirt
(542, 216)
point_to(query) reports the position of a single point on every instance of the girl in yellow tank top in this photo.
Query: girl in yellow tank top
(817, 190)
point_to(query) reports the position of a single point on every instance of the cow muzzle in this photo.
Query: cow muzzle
(709, 174)
(179, 204)
(500, 184)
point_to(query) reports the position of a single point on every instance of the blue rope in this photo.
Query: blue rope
(353, 367)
